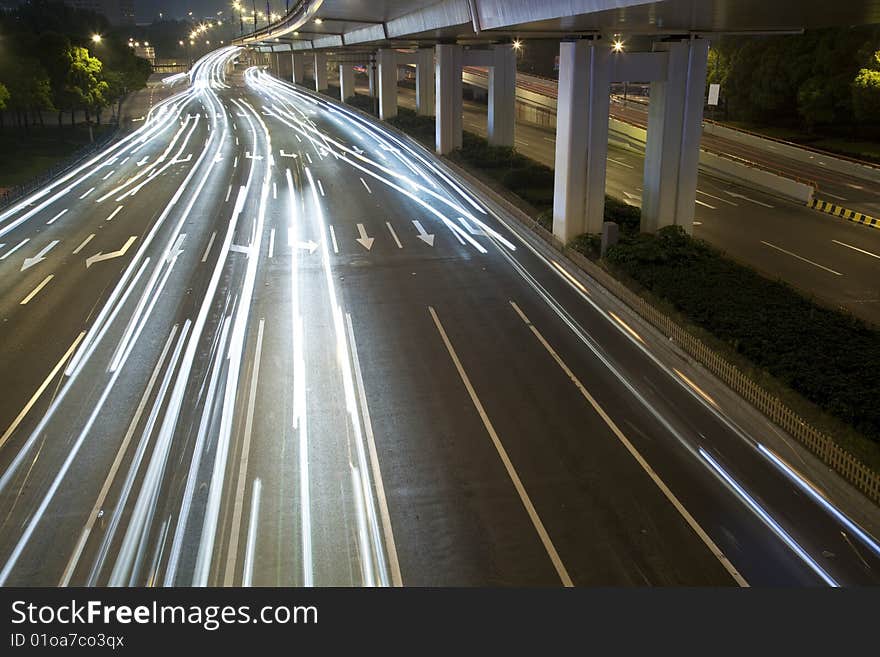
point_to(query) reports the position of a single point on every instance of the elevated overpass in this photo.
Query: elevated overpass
(667, 46)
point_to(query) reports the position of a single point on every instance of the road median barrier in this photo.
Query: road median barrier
(844, 213)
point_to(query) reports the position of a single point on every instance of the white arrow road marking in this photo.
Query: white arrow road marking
(393, 234)
(100, 257)
(746, 198)
(181, 160)
(283, 154)
(309, 246)
(358, 150)
(248, 155)
(56, 217)
(83, 244)
(469, 228)
(114, 213)
(30, 262)
(423, 234)
(143, 161)
(363, 240)
(15, 248)
(37, 289)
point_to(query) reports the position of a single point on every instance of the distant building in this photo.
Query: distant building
(118, 12)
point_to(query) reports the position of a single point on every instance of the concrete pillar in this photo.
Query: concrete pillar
(672, 151)
(448, 101)
(425, 81)
(299, 67)
(284, 67)
(502, 96)
(320, 71)
(387, 60)
(581, 138)
(346, 82)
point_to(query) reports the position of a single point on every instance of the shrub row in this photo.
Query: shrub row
(829, 357)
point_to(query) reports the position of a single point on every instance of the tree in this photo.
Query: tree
(866, 93)
(4, 97)
(84, 85)
(28, 87)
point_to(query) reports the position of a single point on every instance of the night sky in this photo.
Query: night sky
(149, 9)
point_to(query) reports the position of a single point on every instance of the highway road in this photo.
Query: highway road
(834, 260)
(263, 341)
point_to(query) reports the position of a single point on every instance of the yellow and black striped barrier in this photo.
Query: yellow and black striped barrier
(839, 211)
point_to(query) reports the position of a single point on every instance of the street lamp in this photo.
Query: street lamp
(617, 46)
(96, 38)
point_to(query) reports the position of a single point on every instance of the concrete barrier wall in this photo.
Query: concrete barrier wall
(738, 172)
(794, 152)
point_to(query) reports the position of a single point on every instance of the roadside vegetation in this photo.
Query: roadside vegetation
(822, 362)
(52, 72)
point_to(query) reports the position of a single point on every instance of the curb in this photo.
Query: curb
(844, 213)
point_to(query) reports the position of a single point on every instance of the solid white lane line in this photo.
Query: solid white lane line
(114, 213)
(15, 248)
(83, 244)
(229, 574)
(505, 459)
(56, 217)
(274, 191)
(87, 193)
(271, 242)
(394, 235)
(795, 255)
(37, 289)
(210, 244)
(855, 248)
(717, 198)
(333, 238)
(366, 185)
(27, 407)
(111, 475)
(390, 546)
(247, 576)
(685, 514)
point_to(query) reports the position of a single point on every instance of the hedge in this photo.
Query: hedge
(828, 356)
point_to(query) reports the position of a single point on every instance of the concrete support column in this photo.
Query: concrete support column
(284, 66)
(448, 97)
(299, 67)
(581, 138)
(346, 81)
(502, 96)
(320, 71)
(425, 82)
(387, 61)
(672, 151)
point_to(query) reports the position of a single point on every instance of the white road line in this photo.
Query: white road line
(274, 190)
(620, 163)
(333, 239)
(505, 459)
(795, 255)
(247, 576)
(550, 139)
(366, 185)
(321, 188)
(37, 289)
(717, 198)
(309, 157)
(855, 248)
(87, 193)
(520, 141)
(835, 196)
(15, 248)
(27, 407)
(56, 217)
(114, 213)
(83, 245)
(685, 514)
(390, 546)
(111, 475)
(235, 162)
(271, 242)
(228, 192)
(108, 175)
(229, 573)
(210, 244)
(705, 205)
(394, 235)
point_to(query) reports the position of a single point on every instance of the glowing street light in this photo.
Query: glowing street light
(617, 46)
(517, 45)
(96, 38)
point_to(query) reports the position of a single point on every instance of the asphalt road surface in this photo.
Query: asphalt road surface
(263, 341)
(834, 260)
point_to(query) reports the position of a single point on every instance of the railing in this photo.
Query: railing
(12, 194)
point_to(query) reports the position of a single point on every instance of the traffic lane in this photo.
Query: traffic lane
(185, 289)
(696, 423)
